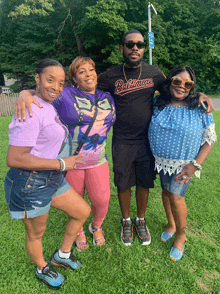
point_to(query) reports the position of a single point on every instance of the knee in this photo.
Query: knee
(166, 193)
(101, 199)
(35, 234)
(87, 211)
(101, 203)
(176, 199)
(142, 190)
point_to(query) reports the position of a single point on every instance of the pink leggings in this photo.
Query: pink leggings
(96, 182)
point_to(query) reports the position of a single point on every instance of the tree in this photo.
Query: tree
(27, 40)
(2, 80)
(186, 32)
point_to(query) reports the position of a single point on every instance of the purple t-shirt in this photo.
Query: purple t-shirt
(43, 132)
(76, 110)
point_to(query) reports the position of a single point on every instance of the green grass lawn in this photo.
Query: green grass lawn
(115, 268)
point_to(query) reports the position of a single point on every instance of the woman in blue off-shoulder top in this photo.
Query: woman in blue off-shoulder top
(181, 136)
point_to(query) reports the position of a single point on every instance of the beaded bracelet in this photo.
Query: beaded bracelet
(62, 164)
(197, 165)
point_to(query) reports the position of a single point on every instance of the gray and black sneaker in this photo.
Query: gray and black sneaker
(50, 277)
(70, 262)
(127, 232)
(142, 231)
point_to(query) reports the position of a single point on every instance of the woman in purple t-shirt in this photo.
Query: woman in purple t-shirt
(36, 180)
(76, 108)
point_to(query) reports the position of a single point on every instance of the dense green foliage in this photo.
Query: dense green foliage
(186, 32)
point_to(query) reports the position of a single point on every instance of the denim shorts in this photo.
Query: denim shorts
(29, 193)
(66, 149)
(168, 183)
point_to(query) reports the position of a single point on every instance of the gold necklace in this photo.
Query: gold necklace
(125, 75)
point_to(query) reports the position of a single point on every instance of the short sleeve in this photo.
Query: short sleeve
(59, 103)
(56, 103)
(103, 82)
(24, 134)
(161, 81)
(208, 134)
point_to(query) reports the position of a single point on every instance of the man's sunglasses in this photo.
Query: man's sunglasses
(177, 81)
(139, 44)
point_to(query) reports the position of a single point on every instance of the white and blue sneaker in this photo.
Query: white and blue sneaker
(70, 262)
(50, 277)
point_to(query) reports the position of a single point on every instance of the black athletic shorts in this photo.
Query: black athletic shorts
(133, 165)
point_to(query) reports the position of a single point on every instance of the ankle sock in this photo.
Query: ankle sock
(141, 218)
(39, 271)
(127, 219)
(63, 254)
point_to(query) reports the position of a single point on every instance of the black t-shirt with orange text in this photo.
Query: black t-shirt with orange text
(133, 99)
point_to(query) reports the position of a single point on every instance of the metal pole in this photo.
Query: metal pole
(149, 30)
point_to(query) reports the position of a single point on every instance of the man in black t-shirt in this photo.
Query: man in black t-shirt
(132, 86)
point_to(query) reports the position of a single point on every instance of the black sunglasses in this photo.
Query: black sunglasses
(139, 44)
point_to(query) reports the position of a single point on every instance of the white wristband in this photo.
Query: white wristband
(62, 164)
(197, 165)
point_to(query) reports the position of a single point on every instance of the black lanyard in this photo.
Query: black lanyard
(83, 140)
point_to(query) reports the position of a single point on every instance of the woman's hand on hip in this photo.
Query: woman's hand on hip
(186, 173)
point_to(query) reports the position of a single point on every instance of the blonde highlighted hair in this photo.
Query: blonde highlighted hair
(77, 62)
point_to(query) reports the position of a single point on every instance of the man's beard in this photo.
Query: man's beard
(131, 63)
